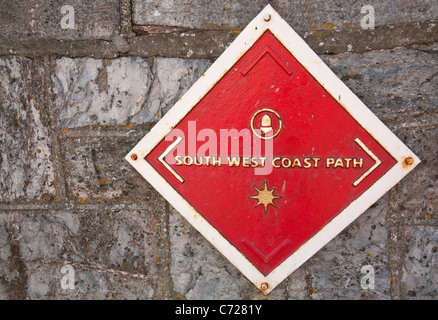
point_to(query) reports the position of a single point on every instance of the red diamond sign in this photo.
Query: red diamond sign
(269, 155)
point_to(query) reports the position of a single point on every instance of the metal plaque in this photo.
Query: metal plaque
(269, 155)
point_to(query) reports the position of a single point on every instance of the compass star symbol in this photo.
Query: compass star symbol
(265, 197)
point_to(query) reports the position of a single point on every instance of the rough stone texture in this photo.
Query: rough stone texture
(199, 271)
(416, 198)
(302, 15)
(192, 44)
(90, 284)
(26, 169)
(117, 263)
(173, 77)
(39, 19)
(197, 14)
(120, 91)
(335, 271)
(411, 82)
(328, 26)
(333, 41)
(338, 14)
(94, 91)
(420, 277)
(96, 170)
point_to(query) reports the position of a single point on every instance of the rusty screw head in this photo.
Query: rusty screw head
(264, 286)
(409, 161)
(134, 157)
(267, 17)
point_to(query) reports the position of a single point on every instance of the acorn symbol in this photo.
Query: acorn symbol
(266, 125)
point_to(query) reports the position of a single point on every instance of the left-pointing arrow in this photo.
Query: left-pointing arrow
(162, 157)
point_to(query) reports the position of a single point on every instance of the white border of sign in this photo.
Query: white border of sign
(270, 19)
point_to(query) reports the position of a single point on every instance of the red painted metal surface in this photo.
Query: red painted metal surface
(313, 126)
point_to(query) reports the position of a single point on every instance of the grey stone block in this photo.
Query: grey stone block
(120, 91)
(173, 77)
(398, 86)
(220, 14)
(420, 270)
(335, 271)
(415, 197)
(328, 26)
(39, 19)
(395, 84)
(302, 15)
(100, 92)
(199, 271)
(190, 45)
(26, 167)
(296, 285)
(346, 14)
(118, 263)
(96, 170)
(40, 49)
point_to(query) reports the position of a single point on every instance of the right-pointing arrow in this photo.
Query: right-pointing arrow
(373, 156)
(162, 157)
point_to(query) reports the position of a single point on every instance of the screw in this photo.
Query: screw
(267, 17)
(134, 157)
(264, 286)
(409, 161)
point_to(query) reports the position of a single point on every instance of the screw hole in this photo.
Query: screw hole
(409, 161)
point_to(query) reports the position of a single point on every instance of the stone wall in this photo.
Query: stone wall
(76, 98)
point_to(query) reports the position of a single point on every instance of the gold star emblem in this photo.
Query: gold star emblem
(265, 197)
